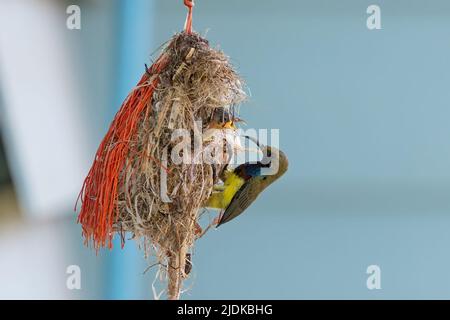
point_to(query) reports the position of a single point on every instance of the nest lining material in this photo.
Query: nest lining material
(197, 85)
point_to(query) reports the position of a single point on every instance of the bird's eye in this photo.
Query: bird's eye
(264, 178)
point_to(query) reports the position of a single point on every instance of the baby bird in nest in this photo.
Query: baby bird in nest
(224, 119)
(245, 183)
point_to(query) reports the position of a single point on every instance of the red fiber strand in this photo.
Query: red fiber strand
(100, 191)
(188, 24)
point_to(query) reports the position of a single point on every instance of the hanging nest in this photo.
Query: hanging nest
(135, 184)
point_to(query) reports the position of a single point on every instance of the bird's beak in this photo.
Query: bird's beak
(229, 125)
(254, 140)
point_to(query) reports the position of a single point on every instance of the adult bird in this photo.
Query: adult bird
(245, 183)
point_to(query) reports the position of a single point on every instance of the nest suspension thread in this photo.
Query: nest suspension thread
(188, 24)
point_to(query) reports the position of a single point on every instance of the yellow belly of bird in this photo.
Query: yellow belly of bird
(221, 199)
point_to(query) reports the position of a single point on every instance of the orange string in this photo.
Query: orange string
(99, 193)
(188, 24)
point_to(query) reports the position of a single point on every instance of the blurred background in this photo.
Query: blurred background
(363, 116)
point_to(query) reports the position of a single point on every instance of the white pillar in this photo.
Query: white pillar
(40, 108)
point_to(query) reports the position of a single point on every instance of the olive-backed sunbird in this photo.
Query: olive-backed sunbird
(243, 184)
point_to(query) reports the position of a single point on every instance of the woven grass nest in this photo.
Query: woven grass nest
(157, 199)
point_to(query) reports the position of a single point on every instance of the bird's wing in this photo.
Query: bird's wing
(241, 201)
